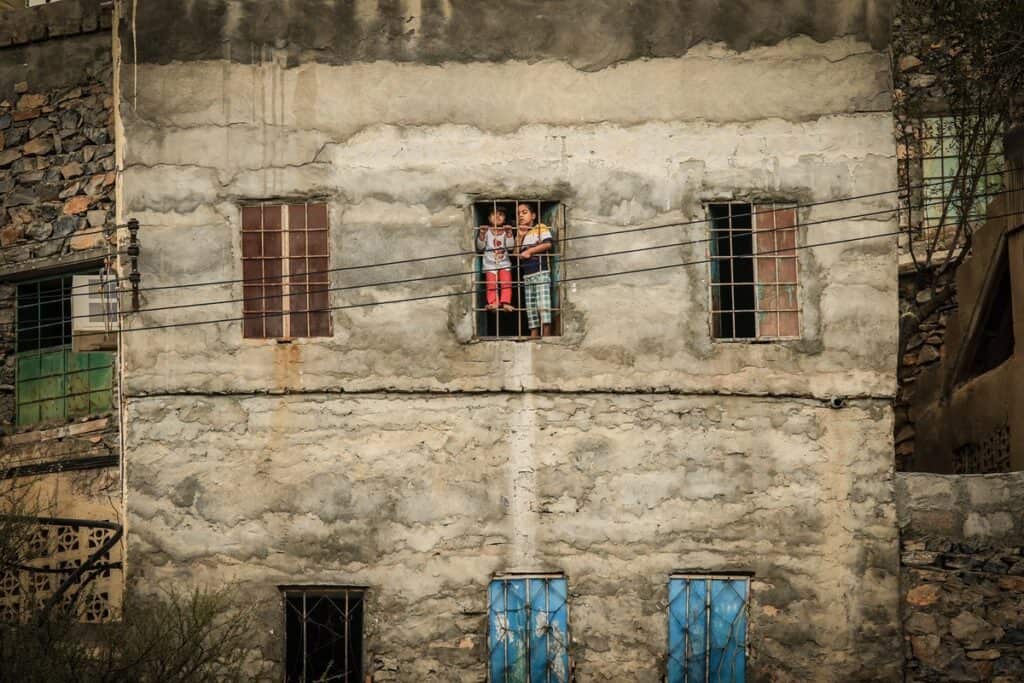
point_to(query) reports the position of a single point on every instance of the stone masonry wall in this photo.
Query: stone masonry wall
(57, 165)
(962, 576)
(423, 498)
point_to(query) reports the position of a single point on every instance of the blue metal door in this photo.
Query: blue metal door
(707, 629)
(528, 630)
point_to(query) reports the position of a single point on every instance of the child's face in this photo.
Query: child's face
(525, 215)
(497, 218)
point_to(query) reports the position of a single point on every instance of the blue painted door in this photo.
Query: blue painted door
(528, 630)
(707, 629)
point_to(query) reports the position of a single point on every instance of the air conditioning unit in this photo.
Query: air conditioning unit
(94, 313)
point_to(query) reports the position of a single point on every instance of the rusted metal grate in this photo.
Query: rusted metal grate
(324, 634)
(515, 297)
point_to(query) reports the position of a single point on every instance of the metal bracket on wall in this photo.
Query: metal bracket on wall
(134, 277)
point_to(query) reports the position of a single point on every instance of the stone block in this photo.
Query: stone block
(988, 490)
(76, 205)
(994, 525)
(973, 631)
(41, 145)
(923, 596)
(31, 101)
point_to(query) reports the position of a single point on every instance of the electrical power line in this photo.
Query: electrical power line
(701, 221)
(312, 290)
(315, 289)
(264, 315)
(254, 281)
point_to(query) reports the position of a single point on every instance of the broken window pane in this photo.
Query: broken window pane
(753, 271)
(528, 630)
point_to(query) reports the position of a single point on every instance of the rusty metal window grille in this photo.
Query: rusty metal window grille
(52, 382)
(941, 174)
(707, 628)
(284, 270)
(528, 630)
(513, 304)
(753, 267)
(324, 634)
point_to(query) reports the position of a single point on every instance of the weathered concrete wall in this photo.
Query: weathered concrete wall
(588, 34)
(617, 146)
(409, 458)
(962, 576)
(423, 498)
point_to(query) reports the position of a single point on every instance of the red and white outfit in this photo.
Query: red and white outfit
(496, 265)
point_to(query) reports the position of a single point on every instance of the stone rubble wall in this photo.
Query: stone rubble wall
(57, 161)
(962, 552)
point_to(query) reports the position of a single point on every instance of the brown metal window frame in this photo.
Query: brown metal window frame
(774, 283)
(285, 261)
(515, 321)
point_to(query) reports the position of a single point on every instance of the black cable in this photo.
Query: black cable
(315, 289)
(275, 314)
(610, 233)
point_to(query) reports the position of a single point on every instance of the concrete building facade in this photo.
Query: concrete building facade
(408, 456)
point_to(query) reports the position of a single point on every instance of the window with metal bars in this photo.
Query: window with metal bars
(517, 296)
(942, 176)
(324, 634)
(53, 382)
(707, 629)
(753, 271)
(284, 270)
(528, 629)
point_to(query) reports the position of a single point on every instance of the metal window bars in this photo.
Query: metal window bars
(754, 273)
(51, 380)
(514, 305)
(941, 175)
(528, 629)
(324, 634)
(707, 628)
(285, 259)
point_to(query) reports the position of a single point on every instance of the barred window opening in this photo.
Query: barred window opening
(753, 267)
(528, 630)
(285, 260)
(707, 629)
(52, 381)
(324, 635)
(518, 296)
